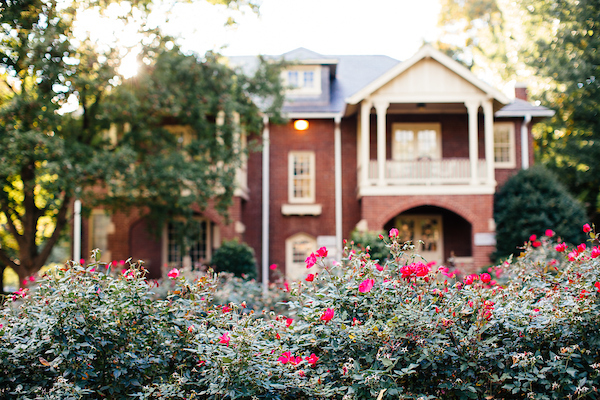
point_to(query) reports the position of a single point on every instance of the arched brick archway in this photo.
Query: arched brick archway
(455, 231)
(410, 203)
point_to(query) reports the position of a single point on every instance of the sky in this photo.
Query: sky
(396, 28)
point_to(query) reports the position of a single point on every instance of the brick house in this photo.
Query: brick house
(371, 143)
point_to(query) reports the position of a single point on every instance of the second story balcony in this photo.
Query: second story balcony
(427, 172)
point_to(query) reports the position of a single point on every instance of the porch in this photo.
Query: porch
(449, 171)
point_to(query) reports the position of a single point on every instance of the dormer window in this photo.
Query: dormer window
(303, 80)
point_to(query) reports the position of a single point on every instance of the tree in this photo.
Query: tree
(116, 148)
(566, 54)
(484, 35)
(531, 202)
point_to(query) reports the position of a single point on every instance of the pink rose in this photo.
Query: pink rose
(366, 286)
(174, 273)
(311, 260)
(394, 232)
(322, 252)
(327, 315)
(587, 228)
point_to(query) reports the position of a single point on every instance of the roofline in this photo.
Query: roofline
(314, 115)
(427, 51)
(533, 113)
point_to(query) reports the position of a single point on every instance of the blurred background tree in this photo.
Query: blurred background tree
(552, 46)
(74, 125)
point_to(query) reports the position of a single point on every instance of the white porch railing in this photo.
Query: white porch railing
(448, 171)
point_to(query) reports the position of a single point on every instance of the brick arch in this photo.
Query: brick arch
(408, 204)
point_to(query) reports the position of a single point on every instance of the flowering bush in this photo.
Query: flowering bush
(360, 330)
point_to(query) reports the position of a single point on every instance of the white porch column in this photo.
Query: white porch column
(488, 121)
(525, 142)
(265, 207)
(381, 109)
(337, 143)
(472, 109)
(365, 137)
(77, 231)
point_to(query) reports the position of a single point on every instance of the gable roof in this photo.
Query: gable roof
(427, 51)
(521, 108)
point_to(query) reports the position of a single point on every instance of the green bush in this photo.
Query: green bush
(531, 202)
(371, 239)
(358, 332)
(235, 257)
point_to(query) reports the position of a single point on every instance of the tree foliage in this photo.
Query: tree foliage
(528, 204)
(167, 140)
(485, 35)
(566, 54)
(553, 46)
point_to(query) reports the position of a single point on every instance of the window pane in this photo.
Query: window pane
(308, 79)
(502, 144)
(189, 240)
(404, 149)
(428, 147)
(100, 224)
(301, 176)
(293, 78)
(300, 250)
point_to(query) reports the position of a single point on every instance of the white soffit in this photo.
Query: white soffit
(425, 52)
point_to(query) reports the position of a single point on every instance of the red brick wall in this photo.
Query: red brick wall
(134, 238)
(350, 204)
(318, 138)
(475, 209)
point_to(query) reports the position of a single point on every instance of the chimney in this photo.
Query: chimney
(521, 90)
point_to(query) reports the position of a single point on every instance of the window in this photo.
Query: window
(298, 247)
(504, 145)
(425, 232)
(188, 243)
(301, 177)
(303, 80)
(416, 141)
(100, 227)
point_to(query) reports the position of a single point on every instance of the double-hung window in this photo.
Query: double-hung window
(504, 145)
(301, 177)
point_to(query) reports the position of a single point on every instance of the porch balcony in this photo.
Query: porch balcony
(448, 171)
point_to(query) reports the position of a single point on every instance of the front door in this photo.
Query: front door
(425, 232)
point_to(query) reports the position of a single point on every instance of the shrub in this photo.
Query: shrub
(371, 239)
(359, 332)
(235, 257)
(528, 204)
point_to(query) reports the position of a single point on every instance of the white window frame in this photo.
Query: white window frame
(297, 270)
(416, 127)
(299, 88)
(512, 161)
(105, 254)
(292, 198)
(209, 243)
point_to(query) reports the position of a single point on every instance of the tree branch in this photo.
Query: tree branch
(11, 225)
(61, 222)
(5, 259)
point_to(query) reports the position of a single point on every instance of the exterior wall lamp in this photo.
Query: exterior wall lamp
(300, 124)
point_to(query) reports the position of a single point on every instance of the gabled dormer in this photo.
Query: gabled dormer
(308, 77)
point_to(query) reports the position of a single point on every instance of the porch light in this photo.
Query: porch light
(300, 124)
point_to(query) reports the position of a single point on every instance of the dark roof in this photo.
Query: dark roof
(352, 74)
(521, 108)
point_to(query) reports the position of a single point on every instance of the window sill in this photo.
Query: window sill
(301, 209)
